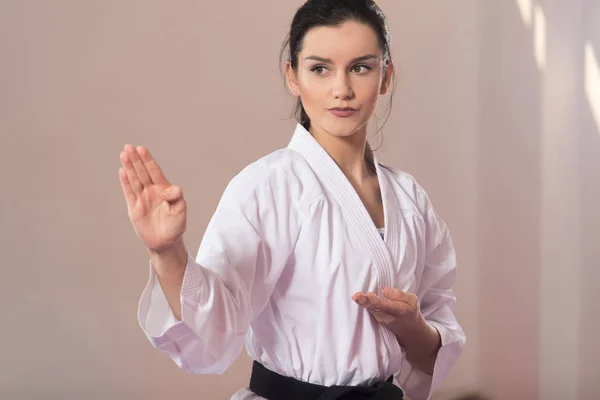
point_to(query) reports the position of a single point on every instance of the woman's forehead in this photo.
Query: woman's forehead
(347, 41)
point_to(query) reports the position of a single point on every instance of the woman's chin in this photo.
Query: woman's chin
(342, 127)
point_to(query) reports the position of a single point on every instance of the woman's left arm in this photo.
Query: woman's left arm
(424, 322)
(400, 312)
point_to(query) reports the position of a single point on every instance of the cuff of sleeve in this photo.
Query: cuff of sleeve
(421, 386)
(155, 316)
(445, 334)
(448, 354)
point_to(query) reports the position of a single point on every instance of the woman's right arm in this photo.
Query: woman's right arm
(199, 311)
(170, 267)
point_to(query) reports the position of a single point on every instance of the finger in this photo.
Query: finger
(398, 295)
(172, 194)
(394, 294)
(381, 304)
(154, 170)
(377, 303)
(138, 166)
(382, 317)
(130, 197)
(178, 207)
(368, 301)
(361, 300)
(388, 306)
(134, 183)
(369, 304)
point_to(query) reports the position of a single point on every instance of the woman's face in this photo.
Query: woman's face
(340, 76)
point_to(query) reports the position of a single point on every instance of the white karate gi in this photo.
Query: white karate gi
(289, 244)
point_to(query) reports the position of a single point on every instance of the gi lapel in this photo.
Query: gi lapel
(356, 213)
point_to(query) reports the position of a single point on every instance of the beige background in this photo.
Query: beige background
(491, 115)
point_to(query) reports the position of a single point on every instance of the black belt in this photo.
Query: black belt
(272, 386)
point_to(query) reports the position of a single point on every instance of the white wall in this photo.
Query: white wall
(538, 165)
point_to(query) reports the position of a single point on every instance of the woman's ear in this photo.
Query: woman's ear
(387, 78)
(291, 79)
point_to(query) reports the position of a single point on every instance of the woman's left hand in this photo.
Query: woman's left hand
(397, 310)
(400, 312)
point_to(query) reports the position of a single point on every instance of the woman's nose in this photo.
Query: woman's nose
(342, 87)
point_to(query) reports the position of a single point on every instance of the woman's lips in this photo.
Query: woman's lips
(343, 112)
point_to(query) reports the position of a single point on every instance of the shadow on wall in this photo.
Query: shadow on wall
(589, 206)
(471, 396)
(509, 194)
(462, 396)
(509, 151)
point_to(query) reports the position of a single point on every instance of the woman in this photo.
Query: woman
(333, 269)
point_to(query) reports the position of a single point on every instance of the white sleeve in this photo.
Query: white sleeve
(437, 300)
(242, 254)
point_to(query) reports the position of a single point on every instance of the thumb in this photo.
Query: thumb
(172, 193)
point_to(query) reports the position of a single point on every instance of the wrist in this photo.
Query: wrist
(170, 263)
(413, 335)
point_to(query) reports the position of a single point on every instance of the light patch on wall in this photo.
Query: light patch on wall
(525, 7)
(539, 36)
(592, 82)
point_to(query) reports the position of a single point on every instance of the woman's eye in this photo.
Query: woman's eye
(319, 69)
(360, 68)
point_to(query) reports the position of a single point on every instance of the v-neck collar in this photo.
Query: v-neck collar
(356, 213)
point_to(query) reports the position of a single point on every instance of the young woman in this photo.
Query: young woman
(333, 269)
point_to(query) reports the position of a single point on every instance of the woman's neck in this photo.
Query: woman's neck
(348, 152)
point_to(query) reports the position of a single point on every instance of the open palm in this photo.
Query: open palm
(156, 208)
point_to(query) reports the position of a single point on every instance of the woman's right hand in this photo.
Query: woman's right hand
(156, 208)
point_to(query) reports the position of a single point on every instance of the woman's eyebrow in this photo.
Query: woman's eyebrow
(328, 61)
